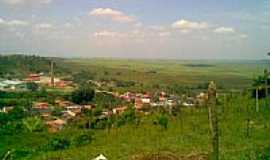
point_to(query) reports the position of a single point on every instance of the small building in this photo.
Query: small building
(33, 77)
(68, 115)
(6, 109)
(46, 115)
(10, 84)
(75, 108)
(55, 125)
(119, 110)
(62, 103)
(62, 84)
(146, 100)
(41, 106)
(138, 104)
(89, 107)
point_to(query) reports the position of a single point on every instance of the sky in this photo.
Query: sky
(154, 29)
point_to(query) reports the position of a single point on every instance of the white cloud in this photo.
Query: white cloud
(25, 2)
(114, 15)
(224, 30)
(106, 33)
(244, 36)
(164, 34)
(156, 28)
(68, 25)
(17, 23)
(189, 25)
(13, 23)
(2, 21)
(13, 2)
(44, 26)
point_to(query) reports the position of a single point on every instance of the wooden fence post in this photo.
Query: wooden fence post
(266, 82)
(257, 99)
(213, 120)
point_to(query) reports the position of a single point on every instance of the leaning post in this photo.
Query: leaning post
(257, 100)
(266, 82)
(213, 120)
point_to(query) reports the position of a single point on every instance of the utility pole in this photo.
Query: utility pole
(266, 82)
(213, 120)
(52, 73)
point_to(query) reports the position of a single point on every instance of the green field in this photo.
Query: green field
(228, 74)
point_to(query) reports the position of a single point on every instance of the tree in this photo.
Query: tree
(83, 95)
(32, 86)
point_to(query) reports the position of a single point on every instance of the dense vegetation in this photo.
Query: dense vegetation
(131, 134)
(244, 130)
(18, 66)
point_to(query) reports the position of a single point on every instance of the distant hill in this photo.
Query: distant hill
(18, 66)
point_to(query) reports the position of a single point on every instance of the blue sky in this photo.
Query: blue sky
(174, 29)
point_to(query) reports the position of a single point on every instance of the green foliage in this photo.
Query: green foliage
(129, 115)
(106, 100)
(57, 112)
(83, 95)
(125, 83)
(263, 155)
(83, 139)
(33, 124)
(162, 121)
(58, 143)
(32, 86)
(18, 66)
(261, 81)
(17, 113)
(83, 77)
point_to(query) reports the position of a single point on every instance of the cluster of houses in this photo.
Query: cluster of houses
(161, 99)
(67, 109)
(142, 102)
(39, 78)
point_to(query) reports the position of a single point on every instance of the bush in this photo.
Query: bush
(58, 143)
(83, 139)
(264, 155)
(162, 121)
(33, 124)
(32, 86)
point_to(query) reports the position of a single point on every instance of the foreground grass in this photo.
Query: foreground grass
(186, 133)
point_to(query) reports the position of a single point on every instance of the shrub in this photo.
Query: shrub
(264, 155)
(33, 124)
(162, 121)
(83, 139)
(32, 86)
(58, 143)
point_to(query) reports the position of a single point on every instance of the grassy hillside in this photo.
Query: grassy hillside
(187, 133)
